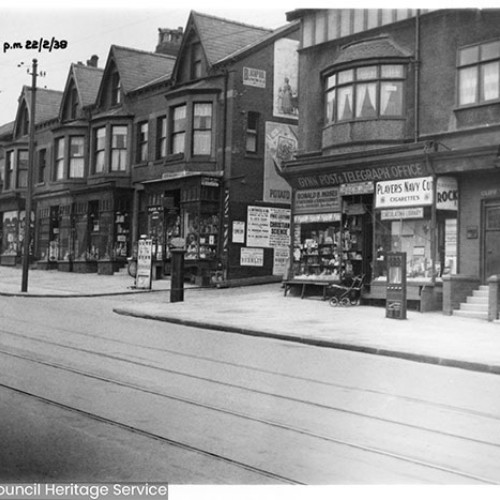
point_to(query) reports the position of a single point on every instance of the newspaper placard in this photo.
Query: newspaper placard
(144, 264)
(280, 261)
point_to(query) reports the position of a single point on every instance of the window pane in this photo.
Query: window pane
(330, 81)
(392, 71)
(372, 18)
(345, 103)
(330, 106)
(179, 118)
(76, 146)
(359, 20)
(490, 81)
(468, 56)
(366, 100)
(391, 98)
(202, 143)
(346, 76)
(367, 73)
(467, 85)
(178, 141)
(118, 160)
(99, 162)
(387, 16)
(345, 22)
(76, 168)
(202, 116)
(490, 51)
(119, 138)
(251, 144)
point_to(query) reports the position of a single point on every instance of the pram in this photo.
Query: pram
(348, 293)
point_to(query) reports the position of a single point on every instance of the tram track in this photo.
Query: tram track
(313, 435)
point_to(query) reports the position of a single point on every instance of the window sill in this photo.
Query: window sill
(476, 105)
(361, 120)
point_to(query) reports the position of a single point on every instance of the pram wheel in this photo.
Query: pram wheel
(345, 301)
(354, 302)
(334, 302)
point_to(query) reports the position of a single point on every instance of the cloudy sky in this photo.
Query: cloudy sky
(91, 27)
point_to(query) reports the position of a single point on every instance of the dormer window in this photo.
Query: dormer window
(116, 89)
(196, 61)
(366, 92)
(24, 123)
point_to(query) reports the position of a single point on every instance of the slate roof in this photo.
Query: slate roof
(87, 80)
(138, 67)
(221, 37)
(47, 103)
(371, 49)
(6, 129)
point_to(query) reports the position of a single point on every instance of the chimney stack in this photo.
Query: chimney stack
(92, 62)
(169, 41)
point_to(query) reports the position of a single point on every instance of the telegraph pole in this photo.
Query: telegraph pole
(29, 187)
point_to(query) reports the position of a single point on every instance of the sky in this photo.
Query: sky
(91, 27)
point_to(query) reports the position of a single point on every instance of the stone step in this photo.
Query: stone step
(477, 300)
(474, 307)
(480, 293)
(471, 314)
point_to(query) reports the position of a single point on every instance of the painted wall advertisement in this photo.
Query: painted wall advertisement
(286, 70)
(281, 144)
(269, 227)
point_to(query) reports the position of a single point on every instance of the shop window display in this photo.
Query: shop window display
(201, 235)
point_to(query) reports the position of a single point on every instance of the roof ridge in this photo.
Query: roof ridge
(141, 51)
(239, 23)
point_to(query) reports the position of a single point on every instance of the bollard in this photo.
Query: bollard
(177, 275)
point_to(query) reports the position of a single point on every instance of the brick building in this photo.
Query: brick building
(398, 148)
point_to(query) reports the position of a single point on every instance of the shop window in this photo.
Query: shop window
(59, 159)
(479, 73)
(118, 148)
(142, 142)
(99, 149)
(178, 135)
(368, 92)
(202, 128)
(9, 169)
(410, 235)
(252, 132)
(42, 165)
(161, 137)
(201, 230)
(22, 168)
(76, 157)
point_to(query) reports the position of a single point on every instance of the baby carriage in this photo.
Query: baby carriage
(348, 293)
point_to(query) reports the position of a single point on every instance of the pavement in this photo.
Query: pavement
(264, 311)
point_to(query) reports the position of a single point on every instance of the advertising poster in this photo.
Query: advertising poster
(286, 69)
(268, 227)
(252, 257)
(238, 231)
(281, 145)
(280, 261)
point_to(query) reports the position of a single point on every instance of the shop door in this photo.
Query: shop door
(491, 239)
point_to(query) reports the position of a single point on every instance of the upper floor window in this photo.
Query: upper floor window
(118, 148)
(42, 165)
(59, 159)
(116, 89)
(9, 169)
(99, 149)
(196, 60)
(22, 168)
(142, 142)
(76, 157)
(202, 128)
(161, 137)
(252, 132)
(479, 73)
(367, 92)
(178, 135)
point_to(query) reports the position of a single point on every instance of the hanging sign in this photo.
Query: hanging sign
(404, 192)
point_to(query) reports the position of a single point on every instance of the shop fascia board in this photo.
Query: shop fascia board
(184, 174)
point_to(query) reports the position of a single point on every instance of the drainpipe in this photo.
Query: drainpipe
(417, 77)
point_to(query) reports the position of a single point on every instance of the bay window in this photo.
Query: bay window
(367, 92)
(479, 73)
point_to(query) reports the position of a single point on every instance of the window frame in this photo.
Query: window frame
(59, 158)
(123, 150)
(99, 151)
(177, 133)
(252, 134)
(72, 158)
(332, 86)
(200, 129)
(142, 152)
(478, 64)
(42, 165)
(115, 89)
(9, 169)
(161, 137)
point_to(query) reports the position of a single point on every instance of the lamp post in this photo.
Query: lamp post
(29, 187)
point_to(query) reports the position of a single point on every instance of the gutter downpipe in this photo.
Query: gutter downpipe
(417, 77)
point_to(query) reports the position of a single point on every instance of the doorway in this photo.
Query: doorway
(491, 239)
